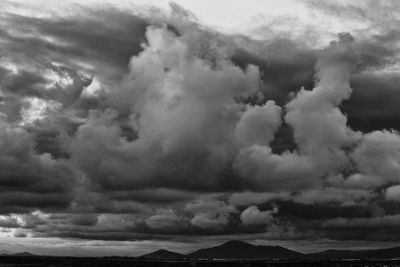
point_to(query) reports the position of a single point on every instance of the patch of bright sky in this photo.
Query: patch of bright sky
(94, 89)
(35, 109)
(251, 17)
(9, 65)
(57, 78)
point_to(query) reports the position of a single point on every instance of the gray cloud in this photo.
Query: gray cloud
(117, 126)
(29, 180)
(252, 215)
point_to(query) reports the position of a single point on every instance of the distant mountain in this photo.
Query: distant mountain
(163, 254)
(4, 252)
(387, 253)
(23, 254)
(18, 254)
(242, 250)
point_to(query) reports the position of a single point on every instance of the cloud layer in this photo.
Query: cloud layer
(117, 126)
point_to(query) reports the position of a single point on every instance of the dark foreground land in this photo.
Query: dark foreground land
(126, 261)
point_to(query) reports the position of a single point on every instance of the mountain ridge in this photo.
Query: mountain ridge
(163, 254)
(236, 249)
(17, 254)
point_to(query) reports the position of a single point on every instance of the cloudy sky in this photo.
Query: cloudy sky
(136, 125)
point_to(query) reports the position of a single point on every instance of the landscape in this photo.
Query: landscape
(230, 253)
(200, 133)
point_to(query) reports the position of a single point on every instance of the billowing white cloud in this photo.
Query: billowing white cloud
(393, 193)
(258, 124)
(378, 156)
(273, 172)
(320, 129)
(184, 111)
(212, 214)
(253, 216)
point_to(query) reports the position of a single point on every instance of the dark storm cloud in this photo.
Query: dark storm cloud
(376, 229)
(100, 39)
(103, 38)
(157, 195)
(25, 83)
(322, 211)
(30, 180)
(285, 67)
(378, 51)
(374, 103)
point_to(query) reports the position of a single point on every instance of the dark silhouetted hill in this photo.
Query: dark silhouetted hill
(4, 252)
(18, 254)
(243, 250)
(23, 254)
(163, 254)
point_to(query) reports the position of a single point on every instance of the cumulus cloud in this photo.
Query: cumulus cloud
(287, 231)
(258, 124)
(253, 216)
(320, 129)
(9, 222)
(213, 214)
(378, 156)
(274, 172)
(393, 193)
(178, 105)
(163, 219)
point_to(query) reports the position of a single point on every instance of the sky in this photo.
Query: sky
(129, 126)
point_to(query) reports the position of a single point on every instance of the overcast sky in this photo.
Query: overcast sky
(131, 126)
